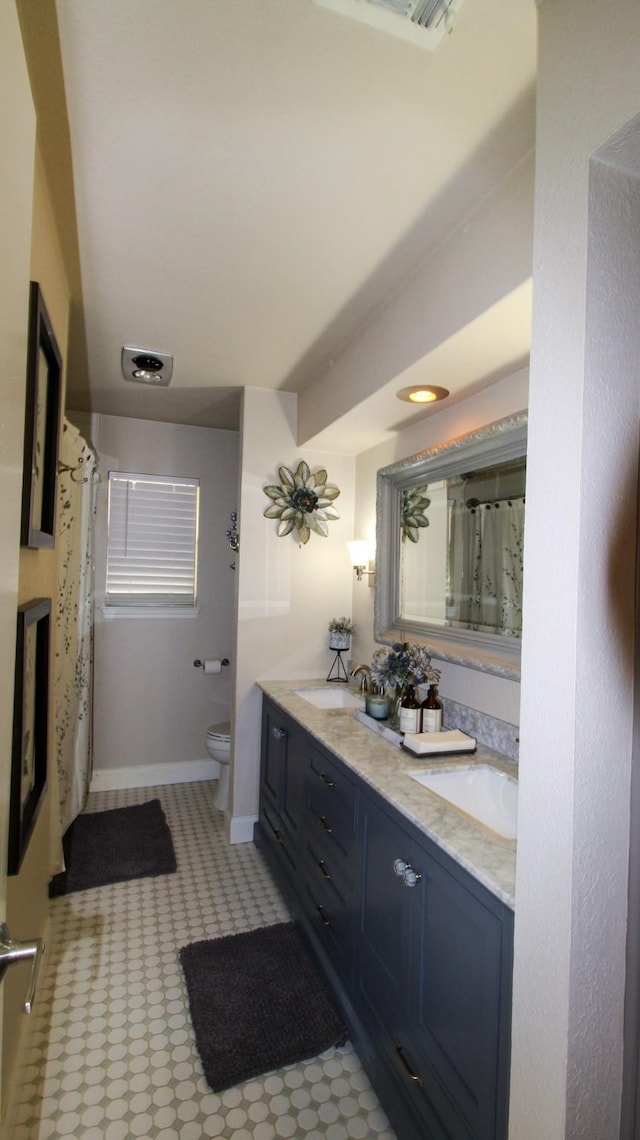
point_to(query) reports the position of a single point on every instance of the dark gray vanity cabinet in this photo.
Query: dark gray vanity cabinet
(282, 780)
(417, 951)
(433, 978)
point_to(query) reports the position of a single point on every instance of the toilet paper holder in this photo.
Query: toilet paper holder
(200, 664)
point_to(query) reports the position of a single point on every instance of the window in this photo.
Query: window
(152, 540)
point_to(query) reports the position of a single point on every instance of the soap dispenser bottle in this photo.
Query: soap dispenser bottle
(410, 711)
(432, 711)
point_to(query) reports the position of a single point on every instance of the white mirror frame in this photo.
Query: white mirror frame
(500, 442)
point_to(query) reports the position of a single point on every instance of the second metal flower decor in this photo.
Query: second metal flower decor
(303, 500)
(414, 512)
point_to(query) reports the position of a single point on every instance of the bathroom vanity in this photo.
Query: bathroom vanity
(408, 907)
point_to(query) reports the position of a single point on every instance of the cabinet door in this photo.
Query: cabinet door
(293, 779)
(385, 919)
(275, 739)
(282, 777)
(462, 943)
(433, 979)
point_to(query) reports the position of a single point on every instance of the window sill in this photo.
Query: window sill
(111, 613)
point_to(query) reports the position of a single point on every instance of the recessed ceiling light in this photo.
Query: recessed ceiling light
(145, 366)
(422, 394)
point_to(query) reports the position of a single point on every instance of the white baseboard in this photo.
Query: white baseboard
(241, 828)
(148, 775)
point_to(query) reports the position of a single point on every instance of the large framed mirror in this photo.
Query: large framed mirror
(450, 547)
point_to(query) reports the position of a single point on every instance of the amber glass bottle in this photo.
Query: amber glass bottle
(432, 711)
(410, 711)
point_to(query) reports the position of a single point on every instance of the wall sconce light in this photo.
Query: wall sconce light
(362, 559)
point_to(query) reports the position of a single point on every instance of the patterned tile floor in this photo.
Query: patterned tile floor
(111, 1053)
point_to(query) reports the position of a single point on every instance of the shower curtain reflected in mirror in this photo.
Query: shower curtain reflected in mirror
(486, 554)
(74, 624)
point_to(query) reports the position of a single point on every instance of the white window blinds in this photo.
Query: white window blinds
(152, 540)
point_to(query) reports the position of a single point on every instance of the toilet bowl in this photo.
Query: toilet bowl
(219, 748)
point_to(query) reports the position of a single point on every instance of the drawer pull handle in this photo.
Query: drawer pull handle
(407, 1067)
(327, 827)
(325, 780)
(278, 733)
(278, 836)
(323, 869)
(325, 921)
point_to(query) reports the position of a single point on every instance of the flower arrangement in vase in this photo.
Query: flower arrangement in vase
(396, 666)
(340, 630)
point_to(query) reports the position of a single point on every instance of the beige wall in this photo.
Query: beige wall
(151, 706)
(287, 593)
(27, 892)
(17, 128)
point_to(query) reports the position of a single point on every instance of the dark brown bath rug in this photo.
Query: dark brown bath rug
(257, 1002)
(113, 846)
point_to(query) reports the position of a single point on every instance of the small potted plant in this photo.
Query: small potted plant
(340, 630)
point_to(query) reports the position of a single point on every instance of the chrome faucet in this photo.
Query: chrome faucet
(365, 681)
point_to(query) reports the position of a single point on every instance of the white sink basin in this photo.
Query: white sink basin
(331, 698)
(482, 792)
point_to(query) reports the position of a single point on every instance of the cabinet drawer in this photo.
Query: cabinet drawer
(331, 920)
(431, 1114)
(330, 789)
(327, 824)
(277, 837)
(326, 867)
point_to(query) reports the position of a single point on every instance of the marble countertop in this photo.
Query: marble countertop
(383, 767)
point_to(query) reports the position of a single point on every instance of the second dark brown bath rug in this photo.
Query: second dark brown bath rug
(114, 846)
(257, 1002)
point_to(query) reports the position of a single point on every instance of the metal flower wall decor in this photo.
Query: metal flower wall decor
(414, 506)
(303, 500)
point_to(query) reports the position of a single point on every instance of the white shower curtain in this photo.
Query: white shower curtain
(74, 622)
(485, 566)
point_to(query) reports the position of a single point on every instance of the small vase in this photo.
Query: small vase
(339, 640)
(396, 701)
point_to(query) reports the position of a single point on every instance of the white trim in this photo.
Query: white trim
(111, 612)
(241, 828)
(148, 775)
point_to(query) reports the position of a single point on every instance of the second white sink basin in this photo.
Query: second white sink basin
(484, 793)
(331, 698)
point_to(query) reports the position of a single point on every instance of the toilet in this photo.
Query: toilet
(219, 748)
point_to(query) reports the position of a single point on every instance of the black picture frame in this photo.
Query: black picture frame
(42, 427)
(29, 756)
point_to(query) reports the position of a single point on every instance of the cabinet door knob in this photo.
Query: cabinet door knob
(399, 867)
(411, 877)
(325, 780)
(278, 733)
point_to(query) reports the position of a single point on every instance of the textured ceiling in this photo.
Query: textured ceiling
(251, 178)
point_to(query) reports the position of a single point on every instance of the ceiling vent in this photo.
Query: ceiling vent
(421, 22)
(146, 366)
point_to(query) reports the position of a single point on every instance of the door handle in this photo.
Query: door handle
(12, 951)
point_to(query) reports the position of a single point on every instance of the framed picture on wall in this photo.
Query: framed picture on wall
(42, 425)
(30, 726)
